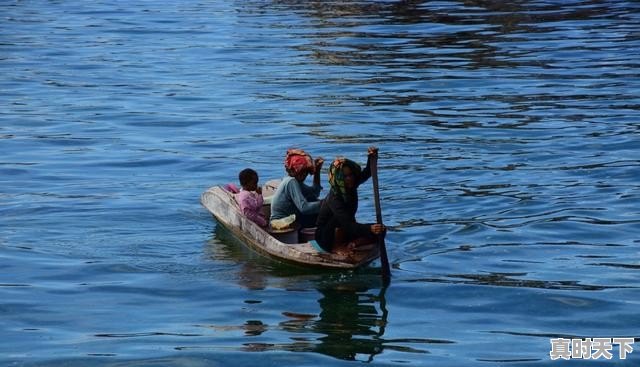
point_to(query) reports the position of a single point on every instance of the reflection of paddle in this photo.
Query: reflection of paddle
(386, 272)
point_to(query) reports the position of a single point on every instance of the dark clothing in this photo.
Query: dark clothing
(337, 211)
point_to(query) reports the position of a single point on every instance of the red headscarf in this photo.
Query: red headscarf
(298, 161)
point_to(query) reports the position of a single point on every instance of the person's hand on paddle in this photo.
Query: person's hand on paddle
(378, 229)
(372, 152)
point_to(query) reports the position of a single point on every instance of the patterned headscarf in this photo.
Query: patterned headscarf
(298, 161)
(336, 175)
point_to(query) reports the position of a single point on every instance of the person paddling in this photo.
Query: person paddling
(336, 228)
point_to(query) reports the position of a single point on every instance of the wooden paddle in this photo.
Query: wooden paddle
(386, 271)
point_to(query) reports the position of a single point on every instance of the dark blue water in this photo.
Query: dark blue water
(509, 135)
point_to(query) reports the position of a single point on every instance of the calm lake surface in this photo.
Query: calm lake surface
(509, 136)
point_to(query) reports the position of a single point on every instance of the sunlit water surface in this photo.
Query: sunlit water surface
(509, 169)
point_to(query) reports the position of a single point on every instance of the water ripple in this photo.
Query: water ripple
(508, 137)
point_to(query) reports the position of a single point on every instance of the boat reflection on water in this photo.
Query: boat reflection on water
(348, 324)
(350, 320)
(348, 327)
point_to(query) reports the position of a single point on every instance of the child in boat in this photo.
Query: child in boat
(293, 196)
(250, 197)
(336, 223)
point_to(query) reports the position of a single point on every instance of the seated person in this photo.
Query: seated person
(336, 223)
(293, 196)
(250, 197)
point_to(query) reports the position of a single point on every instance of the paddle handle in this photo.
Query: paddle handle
(384, 259)
(376, 190)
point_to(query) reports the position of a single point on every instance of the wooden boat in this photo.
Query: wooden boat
(282, 246)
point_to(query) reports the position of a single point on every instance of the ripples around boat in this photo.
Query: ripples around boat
(509, 171)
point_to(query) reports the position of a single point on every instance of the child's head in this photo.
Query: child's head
(248, 179)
